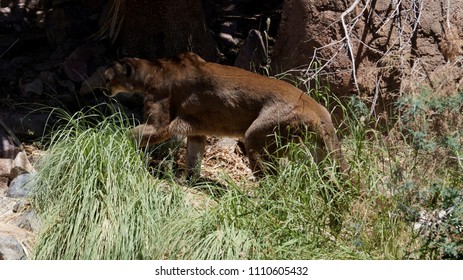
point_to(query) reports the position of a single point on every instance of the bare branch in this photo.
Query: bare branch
(349, 44)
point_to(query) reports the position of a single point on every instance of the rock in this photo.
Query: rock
(252, 54)
(63, 50)
(45, 66)
(67, 84)
(227, 30)
(49, 79)
(27, 125)
(3, 185)
(26, 224)
(21, 186)
(12, 230)
(30, 5)
(40, 19)
(27, 218)
(227, 144)
(7, 147)
(301, 33)
(169, 26)
(5, 11)
(77, 65)
(6, 165)
(15, 66)
(228, 39)
(97, 80)
(11, 249)
(29, 221)
(21, 206)
(34, 87)
(21, 164)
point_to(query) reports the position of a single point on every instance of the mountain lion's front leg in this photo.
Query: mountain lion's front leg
(147, 134)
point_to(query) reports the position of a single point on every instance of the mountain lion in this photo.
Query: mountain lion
(188, 96)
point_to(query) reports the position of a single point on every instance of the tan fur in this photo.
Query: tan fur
(188, 96)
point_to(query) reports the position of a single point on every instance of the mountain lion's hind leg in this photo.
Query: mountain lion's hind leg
(259, 142)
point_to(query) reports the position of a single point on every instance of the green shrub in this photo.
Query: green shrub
(432, 123)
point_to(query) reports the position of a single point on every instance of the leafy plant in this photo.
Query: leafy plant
(433, 124)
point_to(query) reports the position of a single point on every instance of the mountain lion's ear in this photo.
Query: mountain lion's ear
(123, 68)
(109, 74)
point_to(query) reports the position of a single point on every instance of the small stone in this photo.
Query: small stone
(11, 249)
(21, 164)
(444, 213)
(26, 224)
(228, 39)
(227, 144)
(21, 186)
(49, 78)
(77, 64)
(5, 11)
(34, 87)
(29, 221)
(21, 206)
(8, 148)
(3, 185)
(6, 165)
(97, 80)
(69, 85)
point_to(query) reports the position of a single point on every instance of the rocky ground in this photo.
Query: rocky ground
(18, 221)
(36, 54)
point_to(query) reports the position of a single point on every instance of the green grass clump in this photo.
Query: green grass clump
(98, 200)
(96, 196)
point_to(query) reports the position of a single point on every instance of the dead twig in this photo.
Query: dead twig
(9, 48)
